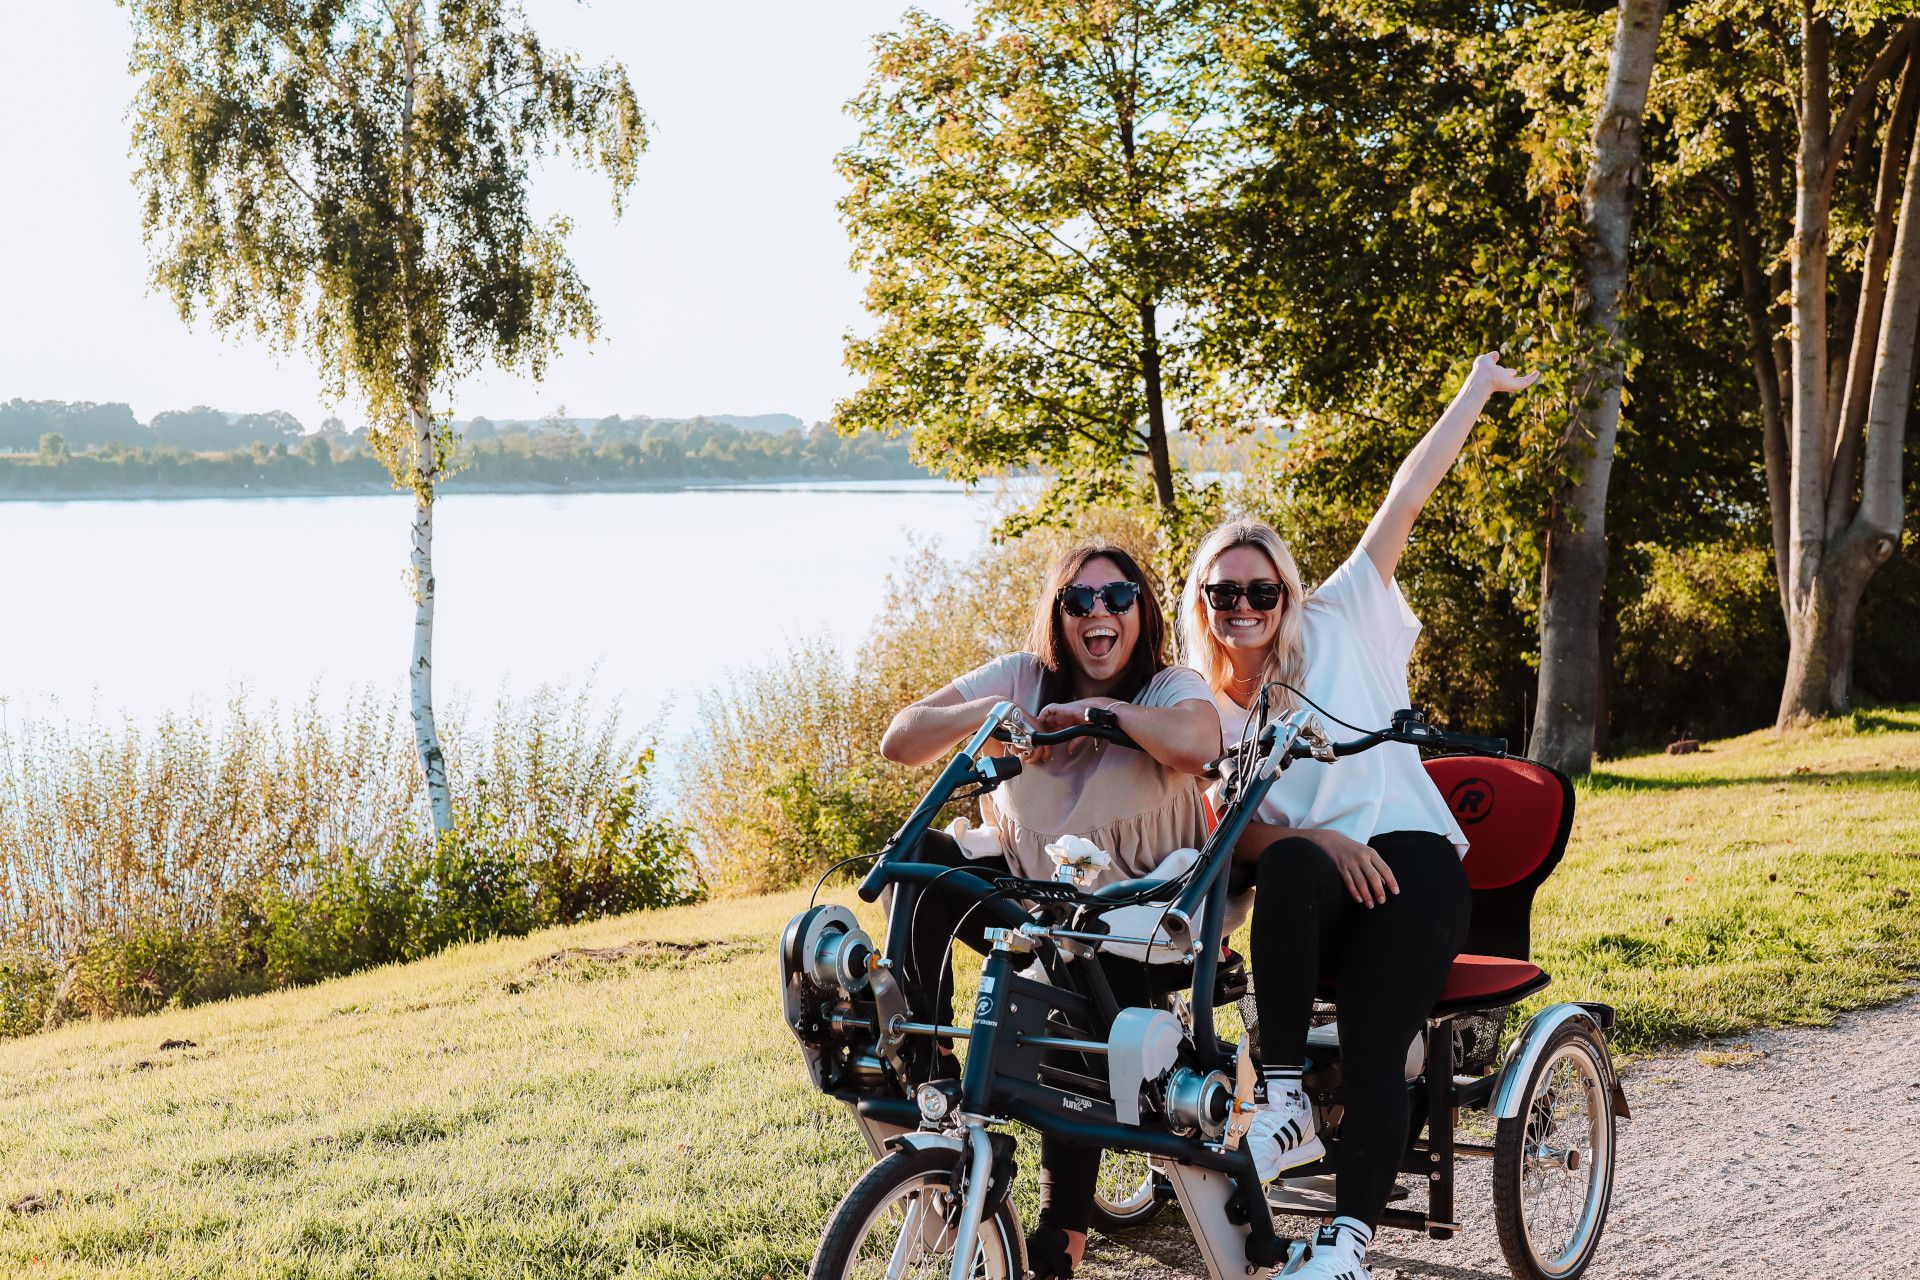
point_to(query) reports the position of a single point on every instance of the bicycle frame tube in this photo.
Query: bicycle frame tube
(957, 772)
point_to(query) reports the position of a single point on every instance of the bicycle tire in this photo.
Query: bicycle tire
(839, 1256)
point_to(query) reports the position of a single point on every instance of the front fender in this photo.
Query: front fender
(924, 1140)
(1526, 1051)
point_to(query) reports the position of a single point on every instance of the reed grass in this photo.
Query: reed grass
(208, 855)
(781, 777)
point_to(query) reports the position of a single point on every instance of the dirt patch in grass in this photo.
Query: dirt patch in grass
(588, 963)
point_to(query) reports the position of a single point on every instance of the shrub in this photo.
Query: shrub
(187, 862)
(782, 777)
(1702, 649)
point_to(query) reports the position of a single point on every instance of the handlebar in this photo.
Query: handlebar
(1109, 732)
(1407, 727)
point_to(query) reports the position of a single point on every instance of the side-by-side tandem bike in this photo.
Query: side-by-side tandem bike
(1048, 1048)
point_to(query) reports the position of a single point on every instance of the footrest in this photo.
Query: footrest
(1313, 1196)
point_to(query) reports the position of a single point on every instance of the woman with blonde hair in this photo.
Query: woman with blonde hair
(1356, 864)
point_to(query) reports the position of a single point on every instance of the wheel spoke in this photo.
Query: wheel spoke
(911, 1237)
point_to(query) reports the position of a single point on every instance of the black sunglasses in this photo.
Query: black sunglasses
(1077, 600)
(1263, 596)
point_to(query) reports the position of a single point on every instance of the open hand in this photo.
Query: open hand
(1369, 879)
(1490, 373)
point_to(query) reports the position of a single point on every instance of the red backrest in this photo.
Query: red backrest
(1514, 813)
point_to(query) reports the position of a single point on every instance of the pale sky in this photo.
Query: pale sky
(724, 289)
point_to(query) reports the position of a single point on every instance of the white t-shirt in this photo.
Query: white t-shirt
(1359, 632)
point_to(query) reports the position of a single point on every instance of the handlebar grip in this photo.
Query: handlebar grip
(1478, 745)
(1090, 729)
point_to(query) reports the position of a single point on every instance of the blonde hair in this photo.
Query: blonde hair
(1286, 657)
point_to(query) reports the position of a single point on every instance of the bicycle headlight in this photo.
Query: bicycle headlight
(936, 1099)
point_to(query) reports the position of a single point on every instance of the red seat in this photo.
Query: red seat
(1516, 815)
(1488, 982)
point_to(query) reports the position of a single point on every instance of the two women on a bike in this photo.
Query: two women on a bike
(1356, 863)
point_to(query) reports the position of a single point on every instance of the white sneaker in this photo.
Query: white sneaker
(1282, 1135)
(1337, 1254)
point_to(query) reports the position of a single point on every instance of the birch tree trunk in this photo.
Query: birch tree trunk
(423, 476)
(433, 761)
(1574, 574)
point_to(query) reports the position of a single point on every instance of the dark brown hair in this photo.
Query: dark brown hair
(1047, 639)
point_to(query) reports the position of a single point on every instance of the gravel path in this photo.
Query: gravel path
(1780, 1154)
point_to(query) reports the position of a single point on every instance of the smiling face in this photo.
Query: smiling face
(1100, 643)
(1243, 630)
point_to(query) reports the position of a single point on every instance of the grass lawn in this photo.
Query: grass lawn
(530, 1109)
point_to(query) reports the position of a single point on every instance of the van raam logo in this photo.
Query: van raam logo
(1471, 800)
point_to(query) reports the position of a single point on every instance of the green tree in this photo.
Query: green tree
(1802, 124)
(1574, 569)
(1416, 195)
(350, 178)
(1036, 204)
(53, 448)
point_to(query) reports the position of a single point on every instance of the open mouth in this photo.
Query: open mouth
(1243, 624)
(1100, 641)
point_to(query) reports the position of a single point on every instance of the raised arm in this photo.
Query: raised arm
(1428, 464)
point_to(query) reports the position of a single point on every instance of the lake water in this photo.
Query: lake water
(111, 609)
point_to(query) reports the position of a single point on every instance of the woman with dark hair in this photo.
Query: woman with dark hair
(1098, 640)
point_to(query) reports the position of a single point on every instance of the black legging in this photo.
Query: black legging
(1069, 1172)
(1388, 965)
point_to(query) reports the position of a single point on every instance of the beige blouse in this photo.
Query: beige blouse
(1123, 800)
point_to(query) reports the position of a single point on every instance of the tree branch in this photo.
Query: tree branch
(1890, 56)
(1864, 350)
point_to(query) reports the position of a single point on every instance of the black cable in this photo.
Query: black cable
(952, 939)
(1322, 710)
(815, 895)
(913, 921)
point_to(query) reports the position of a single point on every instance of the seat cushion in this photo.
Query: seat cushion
(1488, 982)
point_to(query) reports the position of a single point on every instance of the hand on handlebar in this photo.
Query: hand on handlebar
(1367, 875)
(1062, 715)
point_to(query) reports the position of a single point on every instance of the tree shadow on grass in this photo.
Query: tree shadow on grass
(1600, 780)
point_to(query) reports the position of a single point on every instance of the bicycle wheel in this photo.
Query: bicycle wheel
(1124, 1197)
(897, 1223)
(1553, 1163)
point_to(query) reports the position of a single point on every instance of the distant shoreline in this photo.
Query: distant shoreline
(453, 488)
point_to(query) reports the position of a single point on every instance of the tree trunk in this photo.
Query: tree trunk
(1832, 559)
(1575, 569)
(433, 761)
(1158, 455)
(424, 477)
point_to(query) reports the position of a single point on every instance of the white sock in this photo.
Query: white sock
(1280, 1081)
(1361, 1232)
